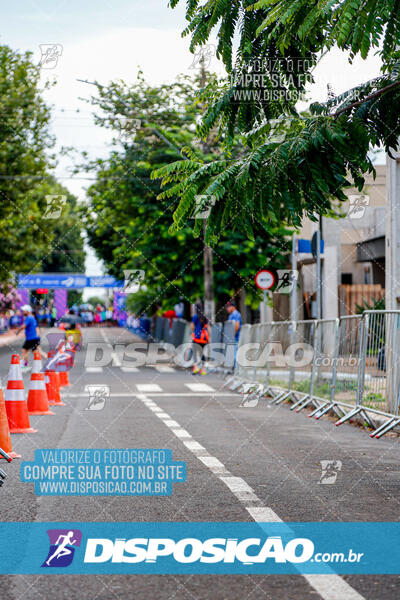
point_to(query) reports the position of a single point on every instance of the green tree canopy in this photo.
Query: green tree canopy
(129, 228)
(31, 242)
(294, 165)
(65, 253)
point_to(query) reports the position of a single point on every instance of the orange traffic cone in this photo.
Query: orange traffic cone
(38, 403)
(64, 380)
(53, 387)
(70, 349)
(17, 410)
(5, 438)
(63, 375)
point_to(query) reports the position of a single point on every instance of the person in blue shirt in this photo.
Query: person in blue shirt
(234, 315)
(32, 339)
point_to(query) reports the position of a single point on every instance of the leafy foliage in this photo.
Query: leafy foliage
(29, 242)
(292, 165)
(129, 227)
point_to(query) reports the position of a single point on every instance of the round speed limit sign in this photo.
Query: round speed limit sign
(265, 280)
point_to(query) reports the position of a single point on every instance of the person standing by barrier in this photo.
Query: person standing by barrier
(32, 339)
(234, 315)
(156, 313)
(171, 315)
(53, 316)
(200, 335)
(179, 308)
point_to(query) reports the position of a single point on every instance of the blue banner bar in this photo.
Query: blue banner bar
(66, 281)
(192, 548)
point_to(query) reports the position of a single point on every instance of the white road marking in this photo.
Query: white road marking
(160, 394)
(240, 488)
(263, 514)
(171, 423)
(164, 369)
(193, 446)
(181, 433)
(130, 370)
(148, 387)
(199, 387)
(236, 484)
(213, 464)
(94, 369)
(332, 587)
(329, 587)
(163, 415)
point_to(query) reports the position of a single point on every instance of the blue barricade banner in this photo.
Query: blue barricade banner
(204, 548)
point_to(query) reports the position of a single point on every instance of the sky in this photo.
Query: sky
(109, 40)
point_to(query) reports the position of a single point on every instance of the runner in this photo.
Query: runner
(62, 549)
(200, 335)
(32, 339)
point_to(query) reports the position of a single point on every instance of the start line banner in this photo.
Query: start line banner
(199, 548)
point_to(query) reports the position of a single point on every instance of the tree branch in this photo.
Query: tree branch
(370, 97)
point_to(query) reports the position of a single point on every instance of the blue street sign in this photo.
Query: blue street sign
(105, 281)
(66, 281)
(304, 246)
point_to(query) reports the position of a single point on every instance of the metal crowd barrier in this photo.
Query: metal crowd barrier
(347, 367)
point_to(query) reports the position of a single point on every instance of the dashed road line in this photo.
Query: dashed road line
(164, 369)
(148, 387)
(187, 395)
(329, 587)
(94, 369)
(199, 387)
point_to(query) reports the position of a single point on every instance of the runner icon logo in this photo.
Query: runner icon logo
(329, 471)
(98, 394)
(63, 543)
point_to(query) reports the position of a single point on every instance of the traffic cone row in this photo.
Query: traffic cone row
(44, 391)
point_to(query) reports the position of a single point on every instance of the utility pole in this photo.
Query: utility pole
(320, 277)
(209, 301)
(293, 293)
(392, 258)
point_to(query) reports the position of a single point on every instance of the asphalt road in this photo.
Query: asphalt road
(243, 464)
